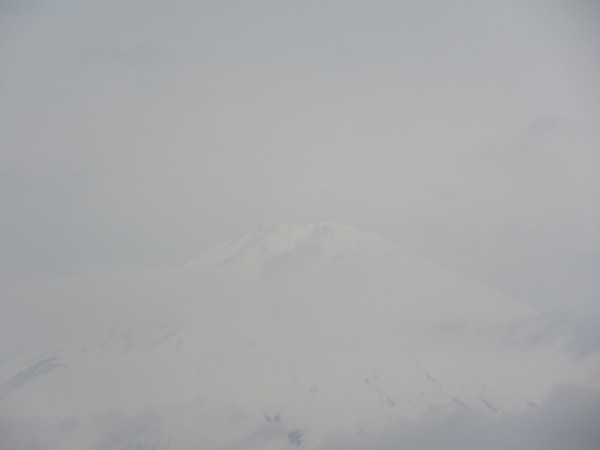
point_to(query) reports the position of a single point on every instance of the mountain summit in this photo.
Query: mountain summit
(258, 248)
(278, 338)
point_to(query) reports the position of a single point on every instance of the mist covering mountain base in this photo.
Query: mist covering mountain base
(283, 338)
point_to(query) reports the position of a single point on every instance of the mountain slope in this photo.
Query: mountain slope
(279, 337)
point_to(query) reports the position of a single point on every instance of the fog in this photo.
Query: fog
(136, 135)
(568, 418)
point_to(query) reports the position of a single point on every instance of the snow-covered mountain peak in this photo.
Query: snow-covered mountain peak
(281, 336)
(327, 236)
(312, 242)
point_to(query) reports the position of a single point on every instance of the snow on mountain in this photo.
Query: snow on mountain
(279, 337)
(258, 247)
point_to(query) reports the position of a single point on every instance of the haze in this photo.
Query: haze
(135, 135)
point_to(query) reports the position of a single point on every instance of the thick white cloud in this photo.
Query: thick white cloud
(567, 419)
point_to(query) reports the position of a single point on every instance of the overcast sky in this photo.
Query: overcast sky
(140, 133)
(135, 134)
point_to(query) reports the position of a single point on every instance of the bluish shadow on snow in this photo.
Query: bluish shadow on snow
(33, 371)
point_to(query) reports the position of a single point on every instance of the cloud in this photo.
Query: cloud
(188, 427)
(111, 430)
(568, 418)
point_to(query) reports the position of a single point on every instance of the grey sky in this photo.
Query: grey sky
(140, 133)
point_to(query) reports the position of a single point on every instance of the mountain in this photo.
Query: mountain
(279, 338)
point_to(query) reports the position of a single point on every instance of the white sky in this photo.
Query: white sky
(143, 132)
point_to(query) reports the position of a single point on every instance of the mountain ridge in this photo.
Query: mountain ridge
(286, 238)
(324, 326)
